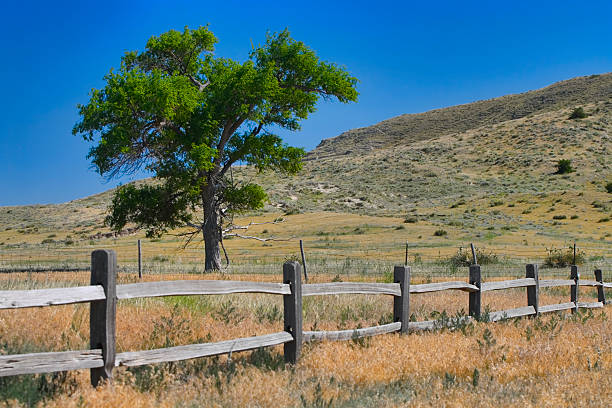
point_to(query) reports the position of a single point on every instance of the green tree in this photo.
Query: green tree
(187, 115)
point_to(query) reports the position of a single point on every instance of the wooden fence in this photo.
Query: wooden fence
(103, 294)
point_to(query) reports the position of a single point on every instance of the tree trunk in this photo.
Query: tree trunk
(211, 231)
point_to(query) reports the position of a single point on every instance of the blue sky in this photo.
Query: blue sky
(409, 57)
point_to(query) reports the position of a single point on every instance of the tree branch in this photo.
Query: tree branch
(238, 153)
(228, 131)
(226, 232)
(201, 86)
(257, 238)
(305, 88)
(233, 227)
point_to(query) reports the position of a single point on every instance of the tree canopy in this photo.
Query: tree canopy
(187, 115)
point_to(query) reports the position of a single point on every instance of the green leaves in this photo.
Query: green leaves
(188, 116)
(266, 151)
(244, 198)
(175, 53)
(154, 208)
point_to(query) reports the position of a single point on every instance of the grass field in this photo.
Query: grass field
(555, 360)
(481, 173)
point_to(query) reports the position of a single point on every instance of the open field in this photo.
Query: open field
(334, 243)
(554, 360)
(492, 185)
(481, 173)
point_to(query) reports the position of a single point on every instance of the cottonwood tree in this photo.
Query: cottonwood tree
(187, 116)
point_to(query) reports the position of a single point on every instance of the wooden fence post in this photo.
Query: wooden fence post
(533, 292)
(575, 275)
(292, 305)
(475, 297)
(304, 261)
(401, 304)
(139, 261)
(601, 294)
(102, 313)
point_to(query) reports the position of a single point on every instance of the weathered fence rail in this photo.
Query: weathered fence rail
(103, 294)
(137, 358)
(194, 287)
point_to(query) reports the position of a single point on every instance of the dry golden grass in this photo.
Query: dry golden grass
(559, 360)
(567, 367)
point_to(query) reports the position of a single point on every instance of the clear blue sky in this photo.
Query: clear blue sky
(409, 56)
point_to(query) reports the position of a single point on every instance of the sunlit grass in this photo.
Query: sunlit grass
(525, 362)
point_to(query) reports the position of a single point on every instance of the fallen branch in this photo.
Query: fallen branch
(257, 238)
(233, 227)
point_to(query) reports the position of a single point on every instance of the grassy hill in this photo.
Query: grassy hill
(481, 172)
(516, 157)
(407, 129)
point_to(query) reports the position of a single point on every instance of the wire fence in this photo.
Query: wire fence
(160, 257)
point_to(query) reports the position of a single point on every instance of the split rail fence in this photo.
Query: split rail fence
(103, 294)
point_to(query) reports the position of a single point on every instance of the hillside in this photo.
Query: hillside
(495, 183)
(410, 128)
(514, 157)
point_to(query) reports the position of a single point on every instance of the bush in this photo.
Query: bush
(609, 187)
(559, 258)
(564, 166)
(578, 113)
(559, 217)
(440, 233)
(463, 257)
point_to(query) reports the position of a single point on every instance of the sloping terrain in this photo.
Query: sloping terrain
(513, 157)
(495, 183)
(410, 128)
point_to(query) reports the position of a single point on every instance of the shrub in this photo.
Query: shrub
(609, 187)
(564, 166)
(559, 217)
(458, 203)
(160, 258)
(411, 220)
(463, 257)
(578, 113)
(560, 258)
(440, 233)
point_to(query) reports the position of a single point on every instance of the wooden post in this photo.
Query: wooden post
(474, 259)
(292, 304)
(475, 297)
(601, 294)
(102, 313)
(401, 304)
(533, 292)
(574, 288)
(304, 261)
(139, 261)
